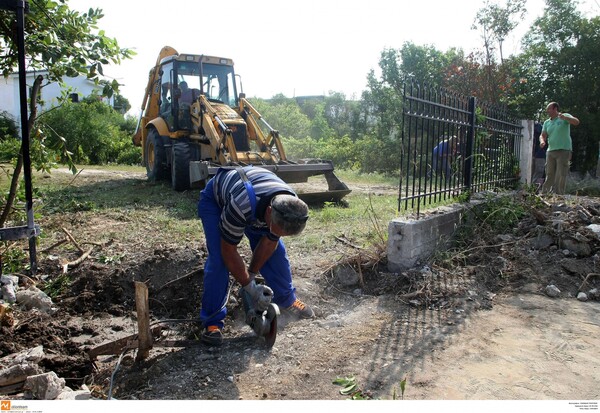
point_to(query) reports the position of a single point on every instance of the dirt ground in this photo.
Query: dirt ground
(476, 327)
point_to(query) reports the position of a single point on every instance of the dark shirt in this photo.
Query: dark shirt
(538, 151)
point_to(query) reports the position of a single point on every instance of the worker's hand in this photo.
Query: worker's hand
(261, 295)
(542, 143)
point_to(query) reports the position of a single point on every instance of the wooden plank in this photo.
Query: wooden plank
(118, 346)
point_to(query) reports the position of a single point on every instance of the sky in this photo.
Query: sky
(297, 48)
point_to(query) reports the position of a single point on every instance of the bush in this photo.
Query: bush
(92, 132)
(130, 156)
(9, 149)
(8, 127)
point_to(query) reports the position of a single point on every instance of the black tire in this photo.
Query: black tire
(155, 157)
(180, 165)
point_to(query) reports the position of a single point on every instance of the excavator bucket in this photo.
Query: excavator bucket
(295, 174)
(311, 193)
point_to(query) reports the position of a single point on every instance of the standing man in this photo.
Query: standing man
(249, 201)
(556, 135)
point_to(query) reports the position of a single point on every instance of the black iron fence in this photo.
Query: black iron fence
(453, 145)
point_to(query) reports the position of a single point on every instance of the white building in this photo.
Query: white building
(10, 100)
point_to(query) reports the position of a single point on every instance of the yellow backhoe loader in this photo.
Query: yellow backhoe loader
(193, 121)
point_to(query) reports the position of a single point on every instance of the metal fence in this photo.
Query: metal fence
(453, 145)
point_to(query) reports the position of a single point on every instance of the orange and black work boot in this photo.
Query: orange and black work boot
(212, 336)
(300, 310)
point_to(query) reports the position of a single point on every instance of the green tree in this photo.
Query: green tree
(496, 22)
(319, 128)
(285, 115)
(561, 59)
(343, 116)
(91, 131)
(63, 42)
(121, 104)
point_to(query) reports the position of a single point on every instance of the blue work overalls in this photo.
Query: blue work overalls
(276, 271)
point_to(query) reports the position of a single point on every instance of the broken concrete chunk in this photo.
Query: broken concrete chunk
(582, 296)
(46, 386)
(346, 275)
(32, 355)
(70, 394)
(581, 249)
(18, 373)
(595, 228)
(7, 279)
(542, 240)
(35, 298)
(552, 291)
(8, 293)
(594, 294)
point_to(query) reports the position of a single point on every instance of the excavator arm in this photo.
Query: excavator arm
(149, 106)
(252, 117)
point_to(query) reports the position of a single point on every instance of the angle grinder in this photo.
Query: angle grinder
(263, 323)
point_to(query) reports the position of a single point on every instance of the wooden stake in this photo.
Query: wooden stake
(143, 318)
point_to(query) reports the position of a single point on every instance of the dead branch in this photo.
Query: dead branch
(361, 280)
(542, 200)
(72, 240)
(78, 261)
(75, 177)
(590, 275)
(413, 294)
(56, 244)
(343, 240)
(189, 274)
(97, 244)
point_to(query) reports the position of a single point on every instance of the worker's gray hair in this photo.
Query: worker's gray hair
(289, 213)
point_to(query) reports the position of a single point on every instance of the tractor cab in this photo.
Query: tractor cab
(183, 78)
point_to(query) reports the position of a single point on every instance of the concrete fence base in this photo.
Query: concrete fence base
(411, 242)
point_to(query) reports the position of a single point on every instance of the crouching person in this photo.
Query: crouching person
(249, 201)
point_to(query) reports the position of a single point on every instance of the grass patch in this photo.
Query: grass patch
(104, 204)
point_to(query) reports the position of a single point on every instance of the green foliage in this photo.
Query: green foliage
(378, 155)
(285, 116)
(560, 61)
(300, 148)
(18, 215)
(9, 149)
(68, 202)
(350, 388)
(402, 389)
(121, 104)
(363, 154)
(8, 127)
(91, 131)
(13, 259)
(62, 41)
(498, 214)
(496, 22)
(110, 259)
(57, 286)
(341, 151)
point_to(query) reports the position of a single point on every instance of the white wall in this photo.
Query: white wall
(526, 161)
(50, 92)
